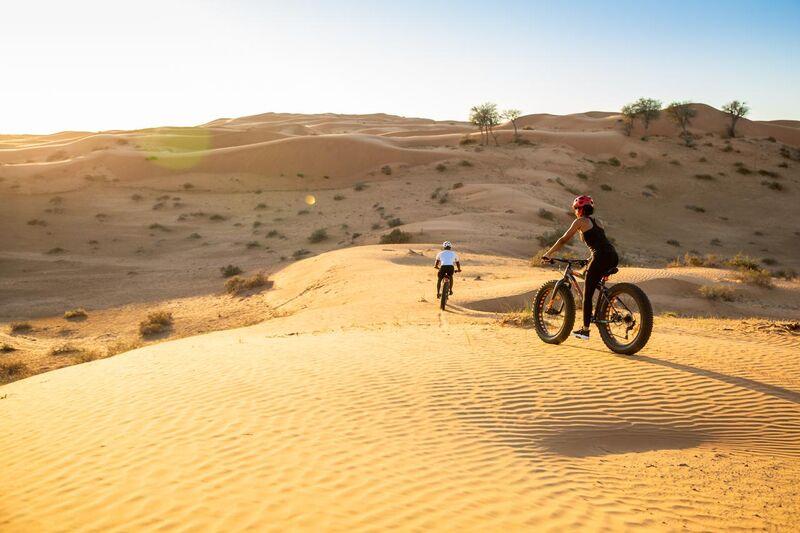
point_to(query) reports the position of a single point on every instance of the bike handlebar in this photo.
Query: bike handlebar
(578, 262)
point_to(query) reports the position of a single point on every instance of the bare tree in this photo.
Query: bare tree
(512, 115)
(682, 114)
(628, 119)
(735, 111)
(648, 109)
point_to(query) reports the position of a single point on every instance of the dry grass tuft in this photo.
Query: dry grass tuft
(156, 322)
(76, 314)
(759, 278)
(517, 319)
(396, 236)
(11, 370)
(20, 327)
(717, 292)
(238, 284)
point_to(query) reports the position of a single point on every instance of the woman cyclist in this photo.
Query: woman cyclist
(604, 256)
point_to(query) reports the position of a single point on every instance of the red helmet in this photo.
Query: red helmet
(582, 201)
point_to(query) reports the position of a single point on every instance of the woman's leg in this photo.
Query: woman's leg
(593, 275)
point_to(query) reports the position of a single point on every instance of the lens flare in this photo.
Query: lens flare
(310, 200)
(174, 148)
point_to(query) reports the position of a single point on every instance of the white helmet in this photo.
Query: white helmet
(446, 244)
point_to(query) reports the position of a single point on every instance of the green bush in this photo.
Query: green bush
(395, 237)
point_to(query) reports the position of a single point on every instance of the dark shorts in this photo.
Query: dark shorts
(446, 270)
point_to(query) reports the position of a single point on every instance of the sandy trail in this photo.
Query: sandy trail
(368, 409)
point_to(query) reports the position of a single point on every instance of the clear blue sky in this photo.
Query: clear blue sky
(98, 65)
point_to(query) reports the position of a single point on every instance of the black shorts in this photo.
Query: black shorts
(448, 270)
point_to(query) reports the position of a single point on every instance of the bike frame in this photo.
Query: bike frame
(572, 282)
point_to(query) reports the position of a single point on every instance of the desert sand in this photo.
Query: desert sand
(343, 398)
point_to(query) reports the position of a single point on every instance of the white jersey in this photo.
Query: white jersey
(447, 257)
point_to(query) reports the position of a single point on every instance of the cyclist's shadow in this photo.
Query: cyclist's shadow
(746, 383)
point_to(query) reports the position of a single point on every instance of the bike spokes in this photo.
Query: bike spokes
(623, 318)
(553, 313)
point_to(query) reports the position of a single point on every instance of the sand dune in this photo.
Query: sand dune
(366, 408)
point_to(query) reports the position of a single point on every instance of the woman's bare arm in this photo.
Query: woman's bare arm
(578, 224)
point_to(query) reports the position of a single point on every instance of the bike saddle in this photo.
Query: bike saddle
(611, 272)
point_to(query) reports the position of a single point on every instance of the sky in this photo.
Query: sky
(99, 65)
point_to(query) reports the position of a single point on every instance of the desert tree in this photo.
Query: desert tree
(477, 118)
(648, 109)
(735, 111)
(681, 113)
(486, 117)
(628, 119)
(512, 115)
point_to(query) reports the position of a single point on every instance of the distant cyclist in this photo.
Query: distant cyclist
(446, 263)
(604, 256)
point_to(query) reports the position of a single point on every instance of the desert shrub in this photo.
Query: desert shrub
(690, 259)
(239, 284)
(545, 214)
(715, 242)
(673, 242)
(376, 226)
(11, 370)
(717, 292)
(768, 173)
(7, 348)
(355, 236)
(758, 277)
(396, 236)
(675, 162)
(466, 140)
(216, 217)
(76, 314)
(302, 252)
(338, 197)
(769, 261)
(773, 185)
(614, 162)
(582, 175)
(37, 222)
(360, 186)
(156, 226)
(441, 167)
(605, 187)
(303, 212)
(784, 273)
(301, 175)
(651, 186)
(155, 322)
(230, 270)
(703, 160)
(704, 177)
(386, 169)
(252, 245)
(257, 224)
(695, 208)
(549, 238)
(195, 236)
(188, 186)
(465, 163)
(318, 235)
(443, 198)
(55, 251)
(458, 185)
(19, 327)
(728, 148)
(273, 233)
(772, 139)
(742, 261)
(784, 164)
(261, 206)
(394, 222)
(633, 155)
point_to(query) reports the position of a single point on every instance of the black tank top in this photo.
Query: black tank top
(596, 239)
